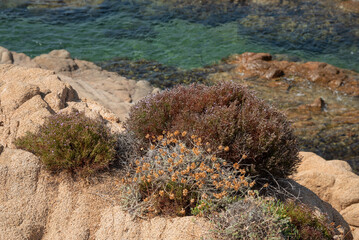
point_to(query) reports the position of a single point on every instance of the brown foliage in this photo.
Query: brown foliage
(226, 114)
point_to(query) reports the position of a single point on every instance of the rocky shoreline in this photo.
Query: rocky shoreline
(36, 205)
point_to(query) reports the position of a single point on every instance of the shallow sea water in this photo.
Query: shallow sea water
(183, 35)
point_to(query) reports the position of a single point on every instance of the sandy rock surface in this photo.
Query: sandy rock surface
(37, 205)
(109, 89)
(333, 182)
(29, 95)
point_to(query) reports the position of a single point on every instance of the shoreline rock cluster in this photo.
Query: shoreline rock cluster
(323, 74)
(37, 205)
(109, 89)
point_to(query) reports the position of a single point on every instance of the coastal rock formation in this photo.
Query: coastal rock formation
(29, 95)
(37, 205)
(90, 81)
(335, 183)
(323, 74)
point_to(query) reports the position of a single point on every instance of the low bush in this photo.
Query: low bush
(257, 218)
(73, 142)
(225, 114)
(309, 225)
(178, 179)
(248, 219)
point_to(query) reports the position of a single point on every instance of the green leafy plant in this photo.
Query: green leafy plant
(225, 114)
(173, 178)
(73, 142)
(309, 225)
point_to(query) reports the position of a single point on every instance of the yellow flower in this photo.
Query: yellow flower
(220, 147)
(195, 151)
(182, 212)
(192, 200)
(184, 133)
(172, 196)
(183, 180)
(185, 192)
(160, 137)
(176, 132)
(236, 165)
(266, 185)
(148, 136)
(152, 147)
(226, 149)
(162, 193)
(193, 165)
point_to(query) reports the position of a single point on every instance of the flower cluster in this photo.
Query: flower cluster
(174, 178)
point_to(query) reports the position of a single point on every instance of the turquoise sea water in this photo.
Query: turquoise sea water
(186, 36)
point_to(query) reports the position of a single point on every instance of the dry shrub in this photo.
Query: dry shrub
(258, 218)
(226, 114)
(178, 179)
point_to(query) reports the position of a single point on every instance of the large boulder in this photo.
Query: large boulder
(37, 205)
(56, 60)
(335, 183)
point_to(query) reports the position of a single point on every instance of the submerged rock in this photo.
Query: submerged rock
(49, 3)
(323, 74)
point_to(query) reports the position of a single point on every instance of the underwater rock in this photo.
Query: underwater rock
(323, 74)
(318, 105)
(49, 3)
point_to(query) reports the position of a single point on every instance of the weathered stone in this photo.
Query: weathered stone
(318, 105)
(323, 74)
(56, 60)
(333, 182)
(5, 56)
(273, 73)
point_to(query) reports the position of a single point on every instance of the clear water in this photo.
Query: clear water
(183, 35)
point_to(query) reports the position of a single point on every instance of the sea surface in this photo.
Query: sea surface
(182, 34)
